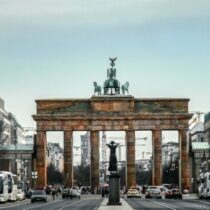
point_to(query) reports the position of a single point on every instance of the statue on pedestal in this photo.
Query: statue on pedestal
(114, 178)
(113, 157)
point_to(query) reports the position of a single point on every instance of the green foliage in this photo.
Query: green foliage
(122, 176)
(144, 177)
(171, 176)
(54, 176)
(82, 175)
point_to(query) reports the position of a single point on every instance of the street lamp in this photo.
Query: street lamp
(15, 143)
(34, 176)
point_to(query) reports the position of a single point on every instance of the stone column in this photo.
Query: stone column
(68, 159)
(41, 162)
(157, 157)
(184, 159)
(94, 169)
(130, 153)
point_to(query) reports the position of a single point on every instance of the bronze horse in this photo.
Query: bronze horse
(97, 88)
(125, 88)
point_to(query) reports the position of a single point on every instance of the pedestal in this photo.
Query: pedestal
(114, 189)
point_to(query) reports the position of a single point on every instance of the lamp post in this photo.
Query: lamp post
(34, 176)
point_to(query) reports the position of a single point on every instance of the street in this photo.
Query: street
(86, 203)
(93, 202)
(160, 204)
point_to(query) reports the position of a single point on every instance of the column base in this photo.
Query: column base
(114, 204)
(114, 190)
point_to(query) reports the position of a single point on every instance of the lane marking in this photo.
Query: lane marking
(163, 205)
(69, 205)
(35, 206)
(195, 205)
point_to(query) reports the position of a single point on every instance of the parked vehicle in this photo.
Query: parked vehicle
(12, 185)
(4, 195)
(38, 195)
(133, 193)
(206, 185)
(21, 190)
(29, 193)
(21, 195)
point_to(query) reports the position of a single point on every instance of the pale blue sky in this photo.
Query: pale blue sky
(57, 48)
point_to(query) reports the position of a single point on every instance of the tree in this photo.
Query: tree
(82, 175)
(122, 176)
(171, 173)
(54, 176)
(144, 177)
(3, 138)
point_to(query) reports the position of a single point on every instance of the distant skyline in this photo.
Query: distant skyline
(56, 49)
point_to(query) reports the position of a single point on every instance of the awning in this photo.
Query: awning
(200, 146)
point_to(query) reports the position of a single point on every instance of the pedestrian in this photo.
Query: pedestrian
(102, 192)
(53, 193)
(106, 192)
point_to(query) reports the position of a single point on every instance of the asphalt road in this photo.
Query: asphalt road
(93, 202)
(57, 204)
(162, 204)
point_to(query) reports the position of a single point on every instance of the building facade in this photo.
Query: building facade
(85, 149)
(55, 156)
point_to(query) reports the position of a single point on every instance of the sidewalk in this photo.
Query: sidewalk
(190, 196)
(124, 205)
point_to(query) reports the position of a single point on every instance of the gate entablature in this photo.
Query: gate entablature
(112, 113)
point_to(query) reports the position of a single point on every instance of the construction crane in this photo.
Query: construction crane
(104, 149)
(196, 118)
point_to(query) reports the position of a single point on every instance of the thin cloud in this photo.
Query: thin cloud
(96, 12)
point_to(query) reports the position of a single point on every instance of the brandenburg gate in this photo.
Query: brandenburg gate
(112, 111)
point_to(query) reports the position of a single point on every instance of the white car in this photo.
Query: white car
(133, 193)
(20, 195)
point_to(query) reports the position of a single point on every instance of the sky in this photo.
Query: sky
(56, 49)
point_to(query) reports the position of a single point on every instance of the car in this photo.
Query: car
(75, 193)
(168, 186)
(20, 195)
(176, 193)
(153, 192)
(168, 194)
(38, 195)
(65, 193)
(70, 193)
(29, 193)
(133, 193)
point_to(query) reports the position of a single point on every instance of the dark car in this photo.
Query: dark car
(29, 193)
(176, 193)
(38, 195)
(65, 193)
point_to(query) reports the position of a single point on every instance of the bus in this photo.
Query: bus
(4, 195)
(12, 185)
(206, 185)
(200, 182)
